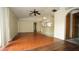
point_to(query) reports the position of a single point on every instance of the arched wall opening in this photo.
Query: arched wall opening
(71, 30)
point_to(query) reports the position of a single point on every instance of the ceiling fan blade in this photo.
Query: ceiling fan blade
(38, 13)
(30, 13)
(35, 14)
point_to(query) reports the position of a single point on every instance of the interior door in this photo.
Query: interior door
(74, 28)
(35, 27)
(75, 25)
(68, 26)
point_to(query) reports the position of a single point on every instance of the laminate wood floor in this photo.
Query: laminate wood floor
(39, 42)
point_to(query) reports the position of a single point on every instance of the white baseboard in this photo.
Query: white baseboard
(13, 37)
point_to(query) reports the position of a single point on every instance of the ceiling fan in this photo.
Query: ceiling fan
(34, 12)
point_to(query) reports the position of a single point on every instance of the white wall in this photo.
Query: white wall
(7, 26)
(26, 24)
(59, 24)
(13, 24)
(49, 31)
(2, 27)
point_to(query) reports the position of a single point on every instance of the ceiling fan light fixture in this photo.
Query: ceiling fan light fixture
(54, 10)
(34, 12)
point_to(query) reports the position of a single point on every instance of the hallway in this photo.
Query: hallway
(38, 42)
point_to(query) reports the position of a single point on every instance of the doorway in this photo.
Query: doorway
(35, 27)
(72, 27)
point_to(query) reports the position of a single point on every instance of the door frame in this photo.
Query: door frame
(68, 22)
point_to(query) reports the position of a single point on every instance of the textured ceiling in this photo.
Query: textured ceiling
(23, 12)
